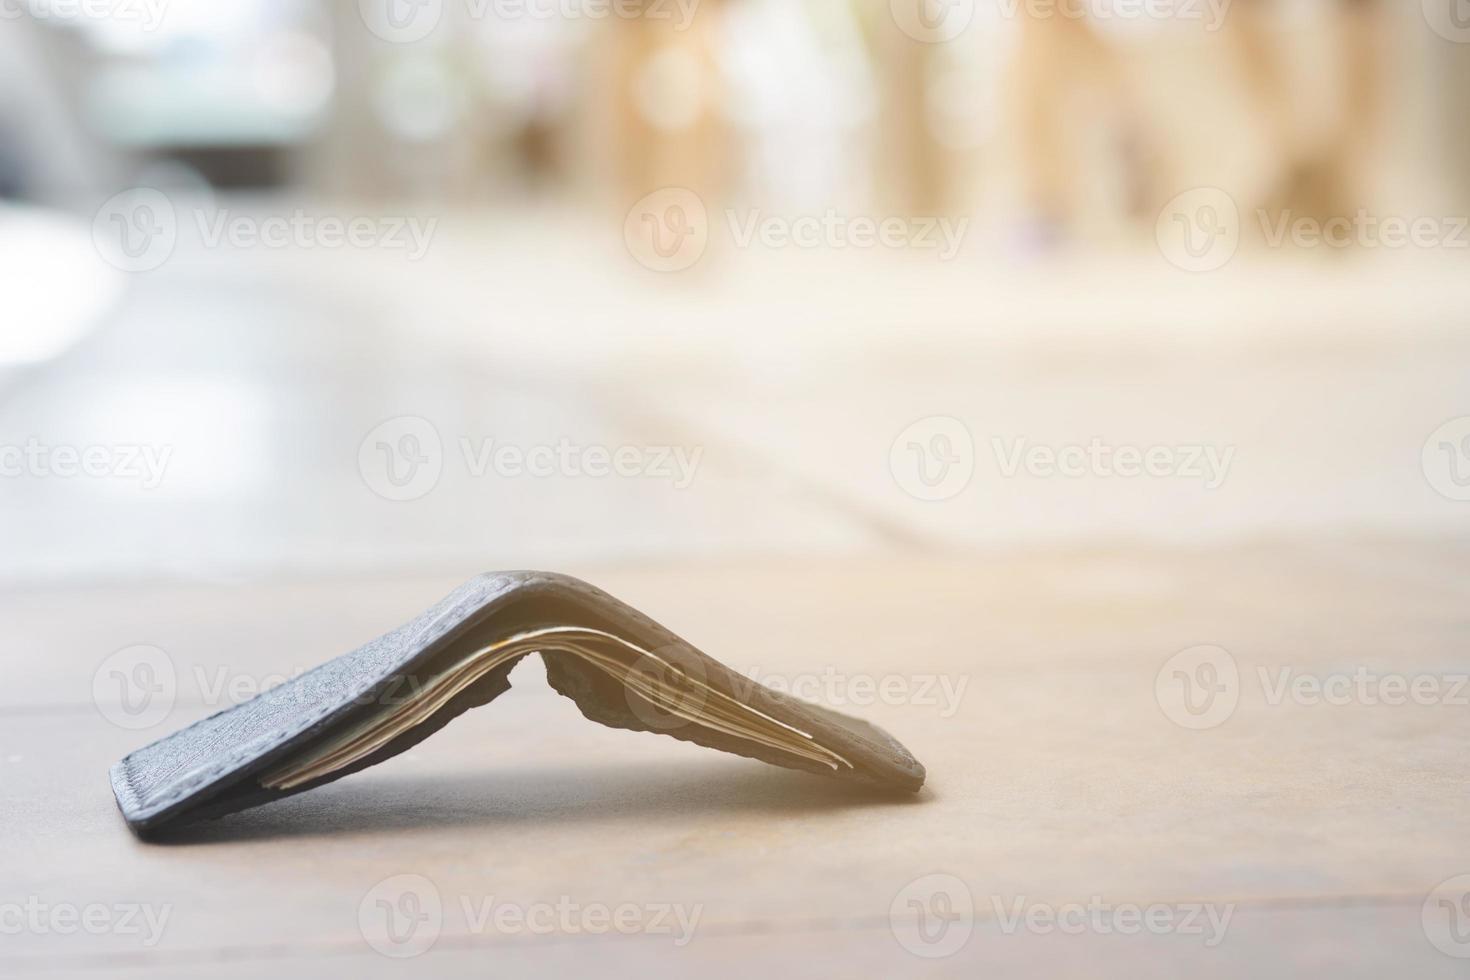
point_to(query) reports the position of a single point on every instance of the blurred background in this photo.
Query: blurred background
(290, 286)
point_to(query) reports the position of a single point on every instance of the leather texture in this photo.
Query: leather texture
(213, 766)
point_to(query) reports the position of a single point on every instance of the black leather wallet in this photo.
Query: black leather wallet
(620, 667)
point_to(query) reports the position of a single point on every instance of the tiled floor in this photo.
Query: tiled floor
(263, 375)
(1029, 692)
(1028, 625)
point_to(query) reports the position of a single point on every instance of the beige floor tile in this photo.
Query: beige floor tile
(1303, 442)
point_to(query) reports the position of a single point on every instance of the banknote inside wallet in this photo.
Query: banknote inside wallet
(653, 684)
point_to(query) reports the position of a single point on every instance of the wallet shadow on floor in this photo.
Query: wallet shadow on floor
(385, 802)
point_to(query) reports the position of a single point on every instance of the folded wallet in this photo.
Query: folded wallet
(620, 667)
